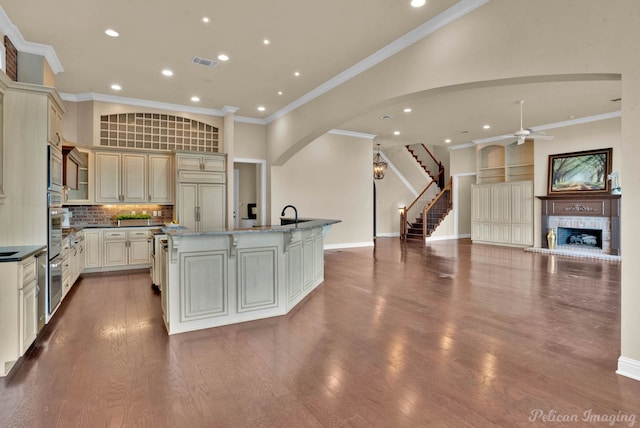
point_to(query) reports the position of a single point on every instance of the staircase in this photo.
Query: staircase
(427, 162)
(435, 215)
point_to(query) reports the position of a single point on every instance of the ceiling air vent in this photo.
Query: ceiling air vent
(203, 61)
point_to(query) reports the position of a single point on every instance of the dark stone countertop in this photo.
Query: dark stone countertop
(18, 253)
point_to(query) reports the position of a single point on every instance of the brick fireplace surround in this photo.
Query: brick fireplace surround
(601, 211)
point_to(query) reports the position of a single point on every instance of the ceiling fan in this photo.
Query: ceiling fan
(525, 134)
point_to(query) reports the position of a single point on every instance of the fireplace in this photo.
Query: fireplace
(579, 238)
(583, 224)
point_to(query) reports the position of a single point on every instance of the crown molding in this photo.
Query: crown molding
(461, 146)
(439, 21)
(10, 30)
(352, 134)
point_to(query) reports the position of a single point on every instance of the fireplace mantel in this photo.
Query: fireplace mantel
(600, 205)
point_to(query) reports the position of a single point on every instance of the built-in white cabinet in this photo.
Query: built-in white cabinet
(502, 213)
(92, 248)
(201, 191)
(18, 310)
(28, 304)
(54, 119)
(126, 247)
(202, 207)
(121, 177)
(160, 179)
(83, 195)
(133, 178)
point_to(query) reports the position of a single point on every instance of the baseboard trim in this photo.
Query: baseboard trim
(444, 238)
(388, 235)
(629, 368)
(348, 245)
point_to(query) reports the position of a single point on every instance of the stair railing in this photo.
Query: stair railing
(426, 209)
(414, 208)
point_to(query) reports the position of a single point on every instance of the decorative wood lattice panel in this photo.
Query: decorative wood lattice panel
(154, 131)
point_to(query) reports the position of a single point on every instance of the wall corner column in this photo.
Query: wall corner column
(229, 149)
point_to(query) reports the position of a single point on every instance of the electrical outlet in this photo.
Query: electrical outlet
(159, 213)
(133, 212)
(144, 212)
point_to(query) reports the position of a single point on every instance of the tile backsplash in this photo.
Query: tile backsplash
(105, 215)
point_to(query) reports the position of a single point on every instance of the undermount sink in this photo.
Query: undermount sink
(285, 221)
(8, 253)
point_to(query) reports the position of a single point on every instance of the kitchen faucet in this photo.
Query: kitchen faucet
(294, 209)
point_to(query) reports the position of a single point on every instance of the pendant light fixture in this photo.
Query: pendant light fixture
(379, 166)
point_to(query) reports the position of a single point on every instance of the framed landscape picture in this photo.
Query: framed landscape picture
(580, 172)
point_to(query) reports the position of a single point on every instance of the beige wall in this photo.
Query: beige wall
(250, 141)
(330, 178)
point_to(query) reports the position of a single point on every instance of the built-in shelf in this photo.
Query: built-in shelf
(504, 163)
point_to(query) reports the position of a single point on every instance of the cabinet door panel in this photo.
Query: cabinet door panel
(134, 178)
(211, 200)
(93, 248)
(139, 252)
(188, 201)
(203, 285)
(108, 177)
(257, 279)
(160, 179)
(115, 253)
(29, 316)
(501, 203)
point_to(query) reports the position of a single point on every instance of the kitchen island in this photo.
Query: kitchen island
(229, 276)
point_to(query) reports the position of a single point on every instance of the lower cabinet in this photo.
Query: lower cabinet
(28, 305)
(116, 248)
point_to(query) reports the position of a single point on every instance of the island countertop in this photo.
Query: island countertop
(303, 224)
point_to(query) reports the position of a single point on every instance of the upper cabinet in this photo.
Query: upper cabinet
(121, 178)
(133, 178)
(83, 192)
(55, 125)
(498, 164)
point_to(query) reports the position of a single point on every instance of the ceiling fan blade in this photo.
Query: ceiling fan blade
(541, 137)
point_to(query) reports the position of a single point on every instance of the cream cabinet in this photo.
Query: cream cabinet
(92, 248)
(133, 178)
(126, 247)
(502, 213)
(83, 195)
(160, 179)
(55, 124)
(121, 177)
(28, 304)
(200, 162)
(202, 207)
(201, 190)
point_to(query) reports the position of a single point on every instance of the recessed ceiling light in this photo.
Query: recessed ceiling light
(205, 19)
(396, 132)
(407, 110)
(261, 108)
(418, 3)
(111, 33)
(486, 126)
(448, 140)
(266, 42)
(116, 87)
(167, 72)
(223, 57)
(280, 92)
(296, 73)
(195, 99)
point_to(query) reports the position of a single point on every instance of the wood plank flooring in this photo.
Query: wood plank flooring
(401, 335)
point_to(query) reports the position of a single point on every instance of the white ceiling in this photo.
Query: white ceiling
(318, 39)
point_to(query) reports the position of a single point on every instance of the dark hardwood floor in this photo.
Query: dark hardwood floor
(403, 335)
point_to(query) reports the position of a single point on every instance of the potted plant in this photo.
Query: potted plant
(133, 219)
